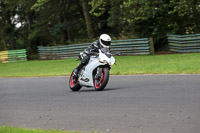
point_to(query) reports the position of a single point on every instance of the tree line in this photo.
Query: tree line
(28, 24)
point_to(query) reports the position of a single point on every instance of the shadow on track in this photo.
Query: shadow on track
(93, 90)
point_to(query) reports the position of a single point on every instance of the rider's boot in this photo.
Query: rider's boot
(77, 69)
(83, 63)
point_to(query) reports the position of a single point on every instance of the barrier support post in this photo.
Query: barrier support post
(152, 50)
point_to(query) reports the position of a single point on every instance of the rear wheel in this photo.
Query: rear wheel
(101, 82)
(73, 83)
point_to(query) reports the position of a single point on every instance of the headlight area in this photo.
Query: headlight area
(103, 61)
(111, 64)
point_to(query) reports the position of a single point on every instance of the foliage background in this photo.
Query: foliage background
(28, 24)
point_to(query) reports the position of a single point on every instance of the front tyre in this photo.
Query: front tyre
(73, 83)
(101, 82)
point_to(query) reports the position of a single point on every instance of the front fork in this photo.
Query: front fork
(98, 74)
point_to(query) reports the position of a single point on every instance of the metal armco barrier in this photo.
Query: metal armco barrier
(184, 43)
(13, 56)
(118, 47)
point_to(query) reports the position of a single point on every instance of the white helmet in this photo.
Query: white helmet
(105, 40)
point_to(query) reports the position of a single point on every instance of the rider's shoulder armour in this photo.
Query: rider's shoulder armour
(96, 44)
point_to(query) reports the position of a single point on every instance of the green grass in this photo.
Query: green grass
(159, 64)
(25, 130)
(126, 65)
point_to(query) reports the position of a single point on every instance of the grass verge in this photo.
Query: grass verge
(126, 65)
(25, 130)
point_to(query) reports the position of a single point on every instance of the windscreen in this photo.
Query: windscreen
(106, 51)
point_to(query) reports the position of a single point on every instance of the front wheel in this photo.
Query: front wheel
(73, 83)
(101, 82)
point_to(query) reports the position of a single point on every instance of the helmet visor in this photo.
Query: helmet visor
(107, 43)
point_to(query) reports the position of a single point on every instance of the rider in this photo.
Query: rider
(103, 42)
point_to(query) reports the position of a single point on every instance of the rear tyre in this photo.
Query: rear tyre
(101, 82)
(73, 83)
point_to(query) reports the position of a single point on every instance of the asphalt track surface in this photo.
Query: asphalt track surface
(129, 104)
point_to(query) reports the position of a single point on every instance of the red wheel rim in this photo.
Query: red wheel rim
(101, 79)
(72, 84)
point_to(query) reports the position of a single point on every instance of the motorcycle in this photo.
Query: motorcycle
(95, 73)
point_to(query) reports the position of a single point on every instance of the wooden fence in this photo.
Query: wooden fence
(13, 55)
(184, 43)
(118, 47)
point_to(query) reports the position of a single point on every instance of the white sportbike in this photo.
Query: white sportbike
(95, 73)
